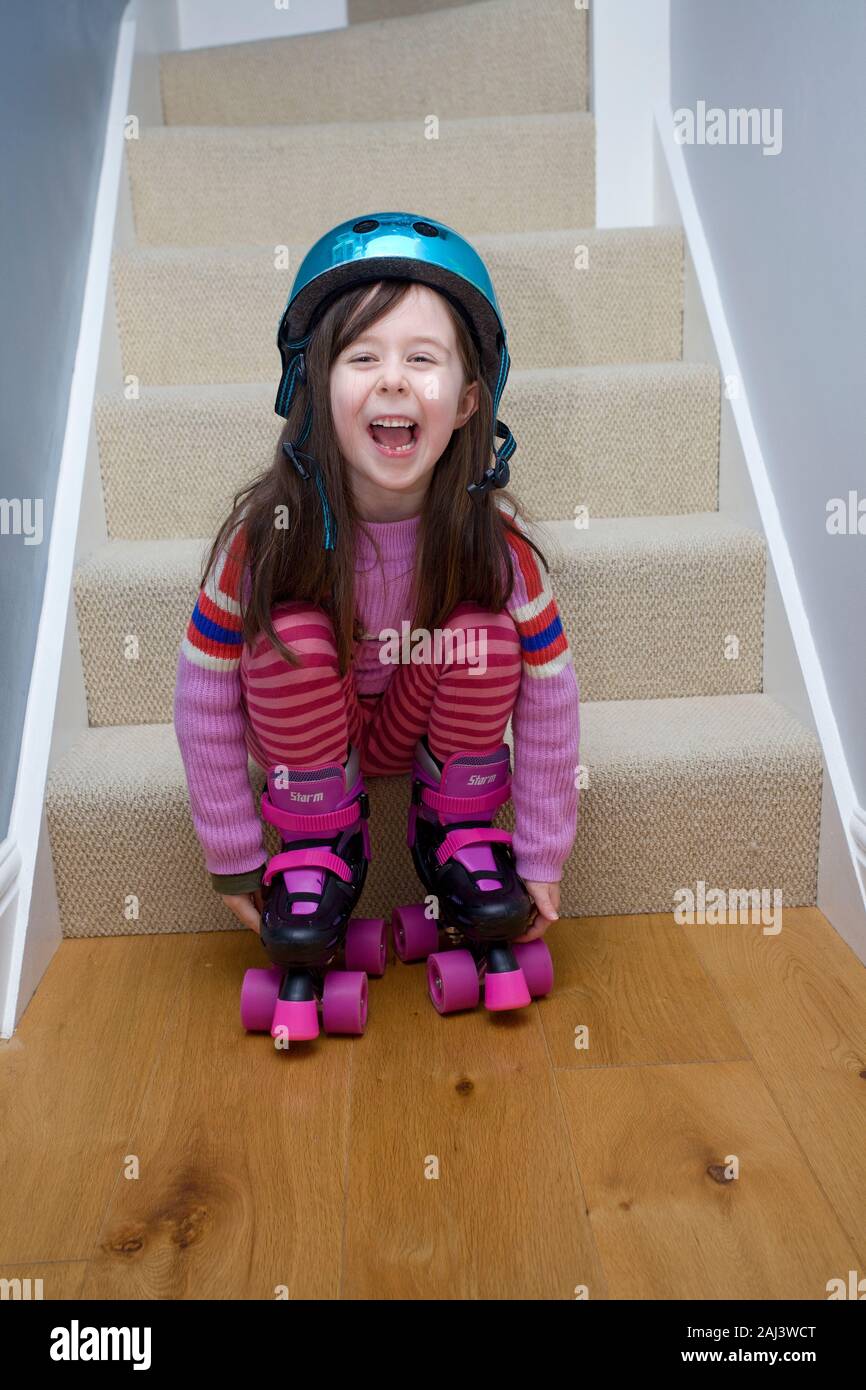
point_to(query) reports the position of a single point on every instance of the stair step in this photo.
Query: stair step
(724, 790)
(622, 440)
(648, 604)
(469, 62)
(222, 186)
(194, 317)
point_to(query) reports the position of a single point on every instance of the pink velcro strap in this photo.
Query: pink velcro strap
(466, 805)
(312, 821)
(481, 835)
(312, 857)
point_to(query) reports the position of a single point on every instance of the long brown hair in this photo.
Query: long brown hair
(462, 552)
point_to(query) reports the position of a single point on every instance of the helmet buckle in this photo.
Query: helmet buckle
(293, 454)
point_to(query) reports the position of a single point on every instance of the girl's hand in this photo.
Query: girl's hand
(247, 907)
(546, 899)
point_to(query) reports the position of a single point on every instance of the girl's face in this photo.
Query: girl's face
(406, 366)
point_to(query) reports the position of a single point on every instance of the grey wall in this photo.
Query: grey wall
(786, 233)
(56, 70)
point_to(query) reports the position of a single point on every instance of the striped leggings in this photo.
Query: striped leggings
(306, 716)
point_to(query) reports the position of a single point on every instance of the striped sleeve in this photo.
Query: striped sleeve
(210, 725)
(214, 634)
(542, 638)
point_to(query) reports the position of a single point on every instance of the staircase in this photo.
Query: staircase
(689, 772)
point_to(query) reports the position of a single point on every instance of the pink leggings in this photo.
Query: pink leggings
(306, 716)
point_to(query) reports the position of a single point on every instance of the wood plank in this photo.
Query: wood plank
(242, 1150)
(799, 1000)
(635, 984)
(474, 1094)
(72, 1078)
(646, 1139)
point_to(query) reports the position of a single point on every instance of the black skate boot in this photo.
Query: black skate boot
(468, 867)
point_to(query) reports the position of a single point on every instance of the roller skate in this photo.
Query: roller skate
(469, 868)
(309, 890)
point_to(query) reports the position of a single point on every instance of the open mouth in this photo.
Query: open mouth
(405, 439)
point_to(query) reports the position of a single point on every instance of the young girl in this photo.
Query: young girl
(394, 359)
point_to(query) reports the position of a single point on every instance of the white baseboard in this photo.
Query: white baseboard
(792, 672)
(10, 892)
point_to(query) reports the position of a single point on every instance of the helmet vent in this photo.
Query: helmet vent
(368, 225)
(425, 229)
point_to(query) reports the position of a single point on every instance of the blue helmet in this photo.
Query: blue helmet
(405, 246)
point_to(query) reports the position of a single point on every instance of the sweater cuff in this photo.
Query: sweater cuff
(239, 883)
(538, 870)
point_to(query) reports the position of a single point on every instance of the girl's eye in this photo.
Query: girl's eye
(361, 357)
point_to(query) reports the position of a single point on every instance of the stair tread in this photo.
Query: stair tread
(470, 57)
(173, 302)
(624, 735)
(721, 788)
(640, 534)
(612, 239)
(351, 132)
(623, 439)
(207, 184)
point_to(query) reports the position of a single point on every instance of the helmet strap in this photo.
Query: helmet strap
(497, 475)
(292, 450)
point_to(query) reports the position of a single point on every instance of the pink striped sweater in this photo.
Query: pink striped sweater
(209, 716)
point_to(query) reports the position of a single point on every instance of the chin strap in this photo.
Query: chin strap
(295, 372)
(497, 475)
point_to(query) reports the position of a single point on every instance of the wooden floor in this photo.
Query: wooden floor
(150, 1148)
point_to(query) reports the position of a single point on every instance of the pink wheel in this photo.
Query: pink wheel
(535, 961)
(366, 945)
(259, 993)
(344, 1001)
(415, 935)
(452, 981)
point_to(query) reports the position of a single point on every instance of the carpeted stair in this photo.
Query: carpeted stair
(688, 772)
